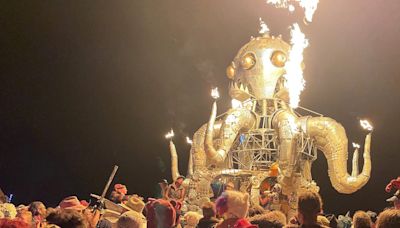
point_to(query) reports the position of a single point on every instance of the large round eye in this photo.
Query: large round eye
(248, 61)
(230, 71)
(278, 58)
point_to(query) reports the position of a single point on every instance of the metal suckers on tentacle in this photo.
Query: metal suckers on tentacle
(235, 121)
(331, 139)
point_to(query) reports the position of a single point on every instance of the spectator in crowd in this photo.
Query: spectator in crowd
(135, 206)
(361, 220)
(67, 219)
(262, 221)
(176, 191)
(103, 223)
(8, 210)
(3, 198)
(276, 216)
(388, 219)
(309, 206)
(91, 216)
(160, 214)
(233, 207)
(209, 216)
(24, 214)
(256, 210)
(192, 219)
(13, 223)
(72, 203)
(130, 220)
(273, 219)
(38, 210)
(119, 195)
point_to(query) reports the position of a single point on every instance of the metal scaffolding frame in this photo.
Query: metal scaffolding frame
(258, 149)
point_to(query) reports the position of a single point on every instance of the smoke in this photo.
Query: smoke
(205, 67)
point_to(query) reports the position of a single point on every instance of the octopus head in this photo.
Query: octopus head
(258, 68)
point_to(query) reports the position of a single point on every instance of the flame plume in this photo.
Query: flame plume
(309, 6)
(294, 72)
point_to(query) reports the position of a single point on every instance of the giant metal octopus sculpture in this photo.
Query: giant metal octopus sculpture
(245, 142)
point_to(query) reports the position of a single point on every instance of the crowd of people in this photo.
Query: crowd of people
(230, 210)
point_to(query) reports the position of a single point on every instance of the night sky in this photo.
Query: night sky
(89, 84)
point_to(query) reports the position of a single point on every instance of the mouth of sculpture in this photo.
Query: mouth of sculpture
(240, 91)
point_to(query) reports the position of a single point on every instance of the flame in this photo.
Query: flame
(215, 93)
(294, 72)
(355, 145)
(170, 134)
(188, 140)
(309, 6)
(236, 103)
(366, 125)
(263, 27)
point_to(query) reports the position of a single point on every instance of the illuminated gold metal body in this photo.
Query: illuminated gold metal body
(243, 143)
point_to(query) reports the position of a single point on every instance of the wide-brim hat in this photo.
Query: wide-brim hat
(111, 216)
(392, 199)
(134, 203)
(135, 215)
(71, 203)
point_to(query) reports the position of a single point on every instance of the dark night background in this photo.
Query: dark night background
(89, 84)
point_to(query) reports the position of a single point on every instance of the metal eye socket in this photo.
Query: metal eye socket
(248, 61)
(230, 71)
(278, 58)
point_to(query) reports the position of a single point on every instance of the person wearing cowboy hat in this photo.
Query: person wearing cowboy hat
(134, 208)
(72, 203)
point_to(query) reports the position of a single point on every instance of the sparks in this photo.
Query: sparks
(366, 125)
(170, 134)
(188, 140)
(294, 72)
(215, 93)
